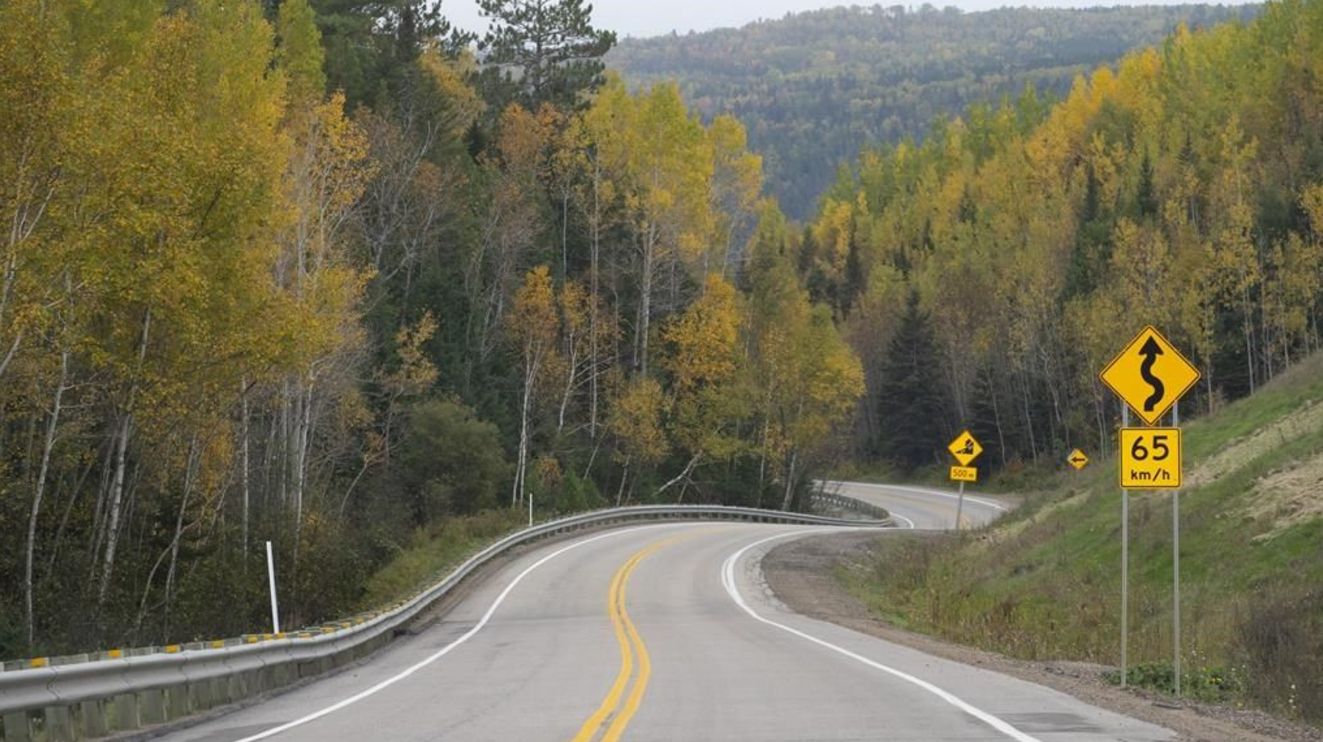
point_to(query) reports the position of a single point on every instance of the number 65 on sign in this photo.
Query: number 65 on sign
(1150, 458)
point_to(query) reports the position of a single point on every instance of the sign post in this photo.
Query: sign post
(965, 448)
(1125, 562)
(1150, 376)
(1176, 565)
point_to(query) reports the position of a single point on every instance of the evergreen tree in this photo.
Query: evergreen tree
(910, 406)
(1146, 199)
(371, 44)
(541, 51)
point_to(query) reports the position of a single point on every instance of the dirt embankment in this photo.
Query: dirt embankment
(802, 574)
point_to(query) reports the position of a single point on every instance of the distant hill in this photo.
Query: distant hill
(814, 87)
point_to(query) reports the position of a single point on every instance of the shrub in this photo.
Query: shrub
(1281, 643)
(450, 461)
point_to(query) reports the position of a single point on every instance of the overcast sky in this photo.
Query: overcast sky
(650, 18)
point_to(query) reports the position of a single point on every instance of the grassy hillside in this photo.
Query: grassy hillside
(814, 87)
(1045, 582)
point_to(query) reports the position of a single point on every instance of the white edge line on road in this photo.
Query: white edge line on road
(907, 520)
(939, 493)
(439, 653)
(728, 580)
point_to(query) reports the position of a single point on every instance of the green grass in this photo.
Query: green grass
(435, 551)
(1045, 582)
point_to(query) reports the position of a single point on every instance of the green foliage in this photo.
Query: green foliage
(299, 51)
(910, 399)
(1214, 684)
(542, 52)
(450, 461)
(371, 45)
(432, 552)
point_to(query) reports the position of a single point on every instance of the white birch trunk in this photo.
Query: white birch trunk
(121, 456)
(52, 423)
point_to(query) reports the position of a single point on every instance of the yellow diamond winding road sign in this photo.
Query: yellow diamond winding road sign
(965, 448)
(1077, 459)
(1150, 375)
(1150, 458)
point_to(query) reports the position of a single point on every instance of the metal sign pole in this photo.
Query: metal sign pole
(960, 505)
(1125, 560)
(271, 581)
(1176, 568)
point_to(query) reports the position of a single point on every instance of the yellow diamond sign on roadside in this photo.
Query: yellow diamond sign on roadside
(965, 448)
(1077, 459)
(1150, 375)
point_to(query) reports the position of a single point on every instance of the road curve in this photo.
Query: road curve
(923, 507)
(659, 632)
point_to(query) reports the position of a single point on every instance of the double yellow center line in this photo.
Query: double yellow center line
(617, 708)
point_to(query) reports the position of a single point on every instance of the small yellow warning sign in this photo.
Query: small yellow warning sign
(965, 448)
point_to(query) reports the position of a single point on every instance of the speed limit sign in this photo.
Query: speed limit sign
(1150, 458)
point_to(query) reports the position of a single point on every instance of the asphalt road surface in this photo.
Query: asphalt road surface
(664, 632)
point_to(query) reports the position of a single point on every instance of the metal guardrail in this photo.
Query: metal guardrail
(850, 504)
(88, 696)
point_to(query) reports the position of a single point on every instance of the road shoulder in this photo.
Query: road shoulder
(802, 575)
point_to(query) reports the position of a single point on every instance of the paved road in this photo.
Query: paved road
(923, 507)
(659, 632)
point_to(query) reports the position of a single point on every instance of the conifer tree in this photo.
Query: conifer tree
(910, 405)
(542, 51)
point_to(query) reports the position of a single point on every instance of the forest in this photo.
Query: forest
(330, 274)
(815, 88)
(309, 273)
(986, 275)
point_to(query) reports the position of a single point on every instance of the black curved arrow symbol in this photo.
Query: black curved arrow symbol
(1150, 352)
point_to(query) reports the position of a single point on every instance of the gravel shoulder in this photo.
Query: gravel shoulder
(802, 574)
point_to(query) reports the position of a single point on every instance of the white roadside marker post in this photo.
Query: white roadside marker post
(271, 581)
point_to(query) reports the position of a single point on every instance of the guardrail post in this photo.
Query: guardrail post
(125, 712)
(94, 719)
(199, 695)
(59, 726)
(234, 686)
(151, 706)
(17, 728)
(176, 699)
